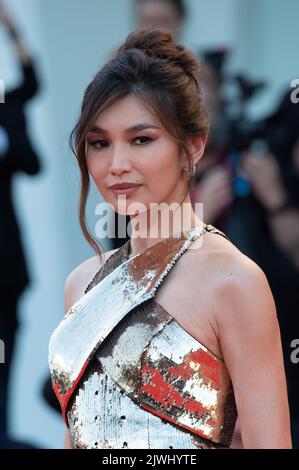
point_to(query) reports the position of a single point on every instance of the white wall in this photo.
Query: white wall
(269, 49)
(70, 40)
(211, 23)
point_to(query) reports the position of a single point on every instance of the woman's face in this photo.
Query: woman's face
(147, 156)
(159, 14)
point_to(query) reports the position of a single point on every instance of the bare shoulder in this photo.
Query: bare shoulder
(239, 286)
(78, 279)
(245, 295)
(211, 256)
(231, 297)
(221, 255)
(242, 290)
(250, 342)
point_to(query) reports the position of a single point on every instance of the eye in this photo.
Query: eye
(148, 139)
(96, 142)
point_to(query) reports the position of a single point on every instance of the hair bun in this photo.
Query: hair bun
(159, 43)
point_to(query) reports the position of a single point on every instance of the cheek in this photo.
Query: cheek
(97, 171)
(95, 164)
(162, 170)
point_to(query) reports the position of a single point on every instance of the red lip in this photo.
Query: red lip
(128, 192)
(124, 185)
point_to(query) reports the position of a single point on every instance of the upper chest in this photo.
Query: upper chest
(189, 290)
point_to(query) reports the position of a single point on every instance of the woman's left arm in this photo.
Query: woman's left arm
(250, 340)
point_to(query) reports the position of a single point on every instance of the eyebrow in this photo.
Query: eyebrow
(137, 127)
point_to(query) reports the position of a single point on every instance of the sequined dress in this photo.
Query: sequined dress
(149, 384)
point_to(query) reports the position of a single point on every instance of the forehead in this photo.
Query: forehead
(125, 113)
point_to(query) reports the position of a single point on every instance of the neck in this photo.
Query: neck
(152, 226)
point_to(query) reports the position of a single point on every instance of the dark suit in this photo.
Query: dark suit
(18, 155)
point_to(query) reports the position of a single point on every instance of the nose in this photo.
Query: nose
(120, 162)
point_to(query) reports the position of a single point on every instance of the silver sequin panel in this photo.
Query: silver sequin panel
(102, 416)
(88, 322)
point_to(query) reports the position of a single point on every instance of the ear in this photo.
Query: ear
(196, 147)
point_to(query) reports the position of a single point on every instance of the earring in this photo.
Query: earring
(194, 170)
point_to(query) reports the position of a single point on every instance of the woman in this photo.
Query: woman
(167, 338)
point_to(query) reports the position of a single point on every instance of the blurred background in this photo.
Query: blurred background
(248, 181)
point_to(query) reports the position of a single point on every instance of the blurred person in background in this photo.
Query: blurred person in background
(251, 192)
(16, 154)
(170, 14)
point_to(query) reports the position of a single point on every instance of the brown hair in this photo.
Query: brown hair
(165, 76)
